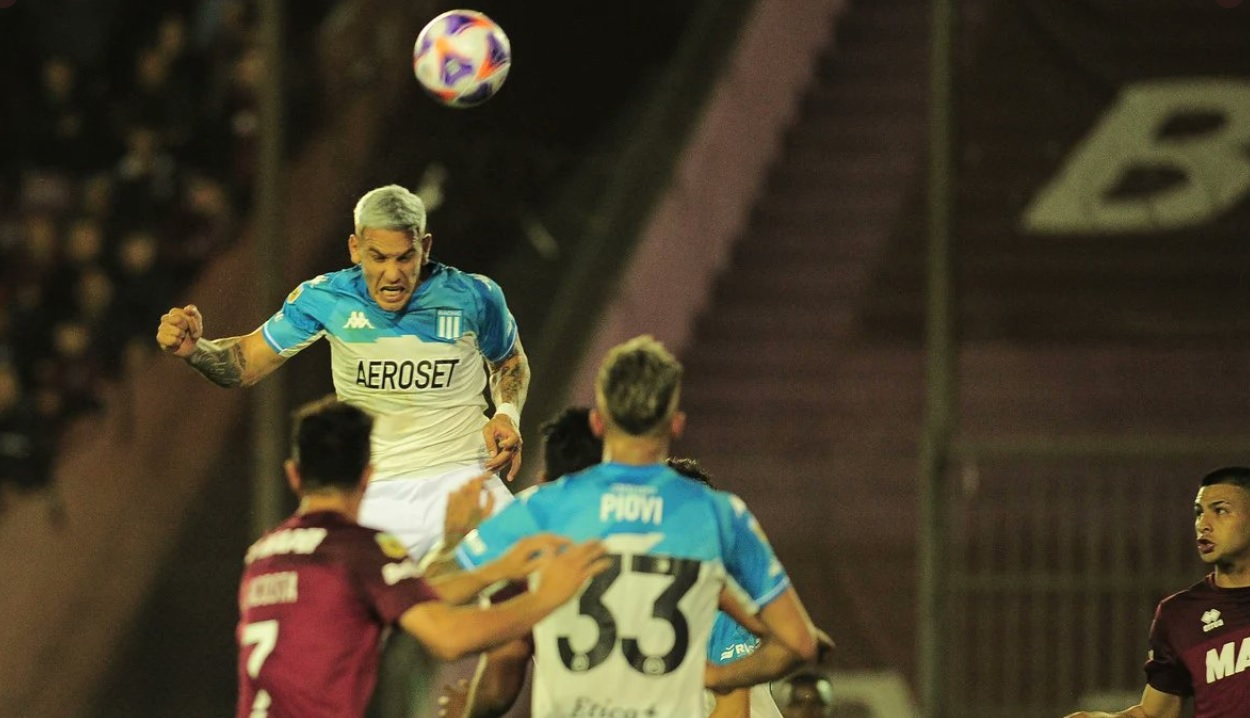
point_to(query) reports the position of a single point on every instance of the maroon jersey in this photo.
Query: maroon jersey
(1200, 646)
(316, 594)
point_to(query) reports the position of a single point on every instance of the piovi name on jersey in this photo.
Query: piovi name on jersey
(631, 503)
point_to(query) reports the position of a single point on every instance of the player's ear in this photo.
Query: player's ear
(292, 475)
(426, 241)
(596, 423)
(678, 423)
(353, 248)
(365, 476)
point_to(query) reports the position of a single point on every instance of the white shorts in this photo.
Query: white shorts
(413, 509)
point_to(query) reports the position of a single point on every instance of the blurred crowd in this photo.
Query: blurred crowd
(130, 171)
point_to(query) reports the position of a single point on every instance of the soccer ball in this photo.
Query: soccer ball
(461, 58)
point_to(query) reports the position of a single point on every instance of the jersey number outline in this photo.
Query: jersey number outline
(685, 572)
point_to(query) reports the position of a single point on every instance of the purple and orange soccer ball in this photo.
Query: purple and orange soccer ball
(461, 58)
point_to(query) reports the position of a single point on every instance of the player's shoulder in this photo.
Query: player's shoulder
(448, 286)
(367, 539)
(1204, 594)
(324, 286)
(348, 539)
(300, 535)
(551, 492)
(727, 503)
(565, 494)
(1196, 599)
(1199, 590)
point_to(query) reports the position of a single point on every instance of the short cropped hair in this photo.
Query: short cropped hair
(391, 207)
(1235, 475)
(568, 443)
(691, 469)
(330, 444)
(638, 386)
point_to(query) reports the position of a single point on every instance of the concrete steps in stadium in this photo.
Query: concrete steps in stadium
(819, 440)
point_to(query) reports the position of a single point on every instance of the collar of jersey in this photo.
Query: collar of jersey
(639, 471)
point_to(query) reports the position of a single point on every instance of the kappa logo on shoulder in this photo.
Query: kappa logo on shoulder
(357, 320)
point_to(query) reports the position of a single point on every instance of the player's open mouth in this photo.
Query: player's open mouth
(1205, 546)
(391, 294)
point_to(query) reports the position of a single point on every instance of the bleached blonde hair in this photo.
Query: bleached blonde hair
(391, 207)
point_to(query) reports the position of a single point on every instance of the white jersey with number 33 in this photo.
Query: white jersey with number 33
(633, 643)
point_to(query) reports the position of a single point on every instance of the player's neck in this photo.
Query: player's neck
(634, 450)
(1235, 574)
(348, 506)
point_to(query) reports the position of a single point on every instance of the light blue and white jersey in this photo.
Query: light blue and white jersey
(731, 642)
(418, 371)
(634, 641)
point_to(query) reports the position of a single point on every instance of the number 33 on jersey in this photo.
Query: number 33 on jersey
(634, 641)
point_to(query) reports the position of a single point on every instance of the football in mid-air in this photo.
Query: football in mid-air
(462, 58)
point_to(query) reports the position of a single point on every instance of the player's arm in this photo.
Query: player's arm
(509, 385)
(735, 704)
(790, 641)
(228, 362)
(524, 558)
(824, 644)
(759, 578)
(1154, 704)
(452, 632)
(467, 507)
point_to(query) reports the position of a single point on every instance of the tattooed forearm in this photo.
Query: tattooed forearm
(510, 378)
(220, 361)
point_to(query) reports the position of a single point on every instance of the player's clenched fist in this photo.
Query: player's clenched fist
(179, 330)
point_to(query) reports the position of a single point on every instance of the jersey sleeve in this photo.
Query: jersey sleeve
(497, 332)
(749, 559)
(730, 641)
(498, 533)
(389, 579)
(1165, 671)
(296, 325)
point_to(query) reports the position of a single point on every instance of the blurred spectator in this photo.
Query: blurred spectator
(97, 200)
(161, 101)
(136, 156)
(78, 29)
(23, 454)
(173, 44)
(96, 307)
(244, 118)
(60, 129)
(46, 190)
(84, 247)
(146, 177)
(144, 289)
(201, 224)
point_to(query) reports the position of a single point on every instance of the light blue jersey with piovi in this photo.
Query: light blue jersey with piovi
(418, 371)
(634, 641)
